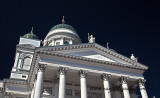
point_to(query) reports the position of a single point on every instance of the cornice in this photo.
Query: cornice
(97, 46)
(90, 60)
(26, 46)
(15, 81)
(52, 51)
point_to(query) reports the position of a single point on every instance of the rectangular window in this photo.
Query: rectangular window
(94, 95)
(57, 43)
(69, 92)
(77, 93)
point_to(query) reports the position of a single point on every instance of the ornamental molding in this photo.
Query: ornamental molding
(92, 45)
(15, 82)
(105, 77)
(123, 80)
(41, 67)
(8, 94)
(26, 46)
(62, 70)
(52, 51)
(82, 73)
(91, 60)
(142, 83)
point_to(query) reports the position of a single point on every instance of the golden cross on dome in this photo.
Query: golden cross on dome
(63, 22)
(32, 30)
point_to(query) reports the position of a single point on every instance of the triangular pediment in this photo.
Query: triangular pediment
(92, 52)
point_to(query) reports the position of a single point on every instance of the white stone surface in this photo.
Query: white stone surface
(107, 89)
(83, 88)
(143, 90)
(36, 43)
(125, 90)
(39, 85)
(99, 57)
(62, 86)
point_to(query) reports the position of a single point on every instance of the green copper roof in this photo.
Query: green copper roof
(66, 26)
(30, 35)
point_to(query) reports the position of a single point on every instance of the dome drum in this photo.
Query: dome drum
(61, 34)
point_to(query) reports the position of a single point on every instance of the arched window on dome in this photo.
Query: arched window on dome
(26, 63)
(66, 43)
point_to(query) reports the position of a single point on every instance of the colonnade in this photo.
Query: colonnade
(83, 74)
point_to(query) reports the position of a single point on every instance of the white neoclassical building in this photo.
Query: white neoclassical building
(64, 67)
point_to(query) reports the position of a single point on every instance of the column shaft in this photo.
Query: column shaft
(125, 87)
(83, 84)
(83, 88)
(142, 88)
(62, 82)
(107, 92)
(125, 90)
(39, 82)
(62, 86)
(32, 94)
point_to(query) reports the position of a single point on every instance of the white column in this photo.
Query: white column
(125, 87)
(107, 92)
(39, 82)
(34, 86)
(142, 88)
(62, 82)
(83, 75)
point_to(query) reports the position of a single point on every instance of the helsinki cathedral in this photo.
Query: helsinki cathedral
(64, 67)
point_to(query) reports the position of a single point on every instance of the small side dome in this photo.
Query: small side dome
(30, 35)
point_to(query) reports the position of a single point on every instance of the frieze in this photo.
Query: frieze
(50, 51)
(98, 47)
(15, 82)
(91, 60)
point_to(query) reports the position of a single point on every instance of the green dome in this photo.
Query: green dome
(30, 35)
(66, 26)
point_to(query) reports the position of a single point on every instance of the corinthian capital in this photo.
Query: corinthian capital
(62, 70)
(123, 79)
(141, 82)
(41, 67)
(8, 95)
(82, 73)
(105, 77)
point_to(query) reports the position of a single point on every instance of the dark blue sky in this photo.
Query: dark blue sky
(129, 27)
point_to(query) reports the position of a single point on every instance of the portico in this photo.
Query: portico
(87, 80)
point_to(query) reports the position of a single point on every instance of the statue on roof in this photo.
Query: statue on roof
(133, 57)
(91, 39)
